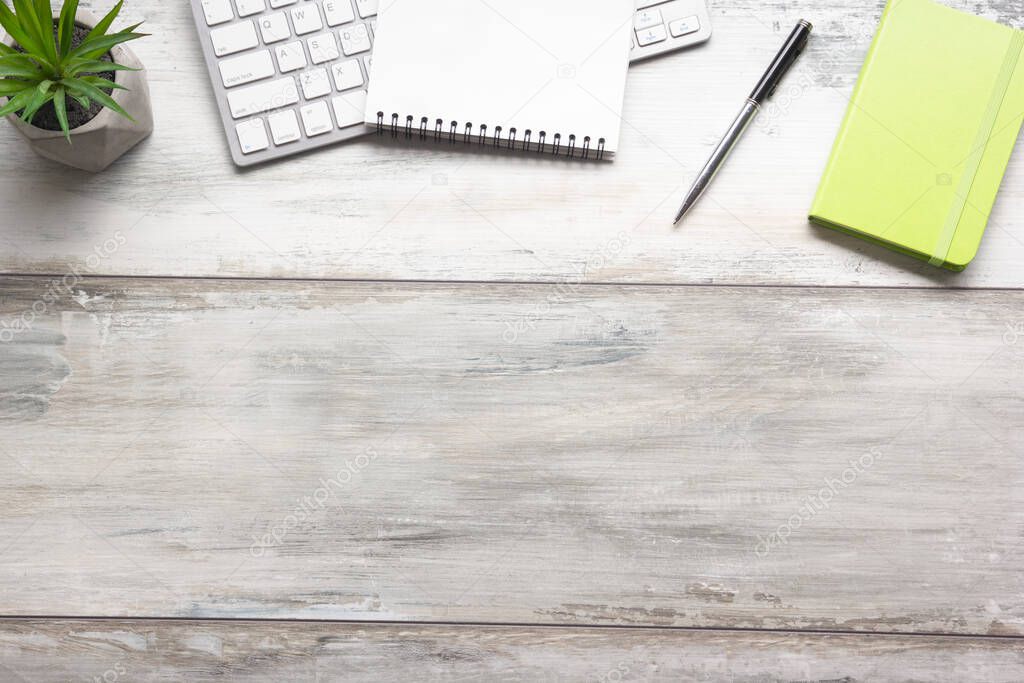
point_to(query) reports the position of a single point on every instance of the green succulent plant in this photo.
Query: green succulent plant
(48, 68)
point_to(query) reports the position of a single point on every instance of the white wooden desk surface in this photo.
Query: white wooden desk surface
(381, 411)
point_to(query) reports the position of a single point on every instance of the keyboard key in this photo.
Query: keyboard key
(255, 99)
(235, 38)
(314, 83)
(367, 8)
(306, 19)
(355, 40)
(647, 18)
(217, 11)
(323, 48)
(246, 68)
(683, 27)
(247, 8)
(347, 75)
(284, 127)
(281, 3)
(349, 108)
(290, 57)
(650, 36)
(274, 27)
(316, 119)
(338, 12)
(252, 136)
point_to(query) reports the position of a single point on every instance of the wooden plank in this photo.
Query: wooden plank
(381, 211)
(61, 650)
(695, 456)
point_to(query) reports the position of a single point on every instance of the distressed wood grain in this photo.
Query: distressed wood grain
(111, 651)
(599, 455)
(380, 211)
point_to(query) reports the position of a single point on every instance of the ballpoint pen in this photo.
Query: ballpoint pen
(785, 59)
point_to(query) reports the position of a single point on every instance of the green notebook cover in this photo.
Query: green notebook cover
(930, 129)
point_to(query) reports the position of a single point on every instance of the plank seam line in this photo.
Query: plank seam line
(519, 625)
(516, 283)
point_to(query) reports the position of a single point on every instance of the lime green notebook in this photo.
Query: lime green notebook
(930, 129)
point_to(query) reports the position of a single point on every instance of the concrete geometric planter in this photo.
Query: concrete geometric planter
(104, 139)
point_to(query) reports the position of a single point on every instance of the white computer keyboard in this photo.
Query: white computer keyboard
(291, 75)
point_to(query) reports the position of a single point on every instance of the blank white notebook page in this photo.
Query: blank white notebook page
(551, 67)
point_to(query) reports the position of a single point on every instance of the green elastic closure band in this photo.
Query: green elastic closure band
(956, 212)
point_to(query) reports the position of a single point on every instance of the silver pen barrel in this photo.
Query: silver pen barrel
(719, 156)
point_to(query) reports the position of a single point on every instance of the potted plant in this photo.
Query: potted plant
(75, 91)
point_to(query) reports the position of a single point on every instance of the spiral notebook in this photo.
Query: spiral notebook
(932, 123)
(531, 76)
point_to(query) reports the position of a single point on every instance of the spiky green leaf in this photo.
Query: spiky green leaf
(39, 25)
(76, 67)
(17, 68)
(92, 48)
(17, 102)
(81, 88)
(60, 106)
(43, 12)
(10, 86)
(27, 19)
(14, 74)
(19, 57)
(83, 101)
(12, 24)
(43, 94)
(102, 83)
(131, 29)
(106, 22)
(66, 25)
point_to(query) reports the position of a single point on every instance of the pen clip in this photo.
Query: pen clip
(794, 46)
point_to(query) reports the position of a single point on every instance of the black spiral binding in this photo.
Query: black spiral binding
(500, 139)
